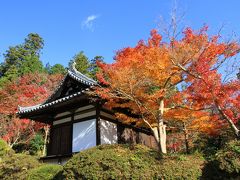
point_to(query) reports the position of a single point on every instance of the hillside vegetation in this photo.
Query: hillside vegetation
(130, 162)
(124, 162)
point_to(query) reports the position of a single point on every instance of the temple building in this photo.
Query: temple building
(78, 123)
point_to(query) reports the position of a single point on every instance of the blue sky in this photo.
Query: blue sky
(102, 27)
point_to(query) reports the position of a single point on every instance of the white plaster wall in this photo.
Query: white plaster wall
(84, 108)
(61, 121)
(84, 135)
(145, 139)
(62, 114)
(148, 140)
(102, 113)
(129, 135)
(108, 132)
(83, 115)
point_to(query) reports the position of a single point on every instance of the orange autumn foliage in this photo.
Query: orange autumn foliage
(143, 76)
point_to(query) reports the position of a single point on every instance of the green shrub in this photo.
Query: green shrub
(225, 164)
(15, 166)
(36, 144)
(123, 162)
(45, 172)
(211, 171)
(181, 167)
(4, 149)
(208, 145)
(228, 158)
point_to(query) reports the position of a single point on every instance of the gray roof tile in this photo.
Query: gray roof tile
(73, 73)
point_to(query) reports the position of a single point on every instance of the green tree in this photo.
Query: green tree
(86, 66)
(31, 64)
(33, 44)
(9, 75)
(36, 144)
(22, 59)
(55, 69)
(82, 62)
(93, 68)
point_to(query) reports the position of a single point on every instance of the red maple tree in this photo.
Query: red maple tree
(143, 79)
(25, 91)
(199, 56)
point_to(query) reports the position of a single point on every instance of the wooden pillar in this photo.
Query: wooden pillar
(49, 140)
(49, 144)
(98, 133)
(120, 130)
(71, 134)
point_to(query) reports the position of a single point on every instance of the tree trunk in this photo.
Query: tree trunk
(230, 122)
(11, 144)
(186, 137)
(160, 137)
(159, 131)
(46, 130)
(163, 137)
(162, 129)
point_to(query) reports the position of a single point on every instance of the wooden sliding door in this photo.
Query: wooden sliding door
(60, 140)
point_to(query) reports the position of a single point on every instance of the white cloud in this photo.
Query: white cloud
(88, 23)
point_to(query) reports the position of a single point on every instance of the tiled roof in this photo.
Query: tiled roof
(73, 73)
(22, 110)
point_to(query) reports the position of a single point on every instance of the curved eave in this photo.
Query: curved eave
(74, 74)
(25, 110)
(56, 90)
(81, 78)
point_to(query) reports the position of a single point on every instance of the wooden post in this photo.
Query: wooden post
(71, 133)
(98, 131)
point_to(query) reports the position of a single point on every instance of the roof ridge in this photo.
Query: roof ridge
(55, 91)
(72, 70)
(73, 73)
